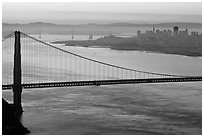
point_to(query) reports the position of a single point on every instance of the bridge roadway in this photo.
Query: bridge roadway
(104, 82)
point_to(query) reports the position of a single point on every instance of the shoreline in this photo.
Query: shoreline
(180, 45)
(118, 49)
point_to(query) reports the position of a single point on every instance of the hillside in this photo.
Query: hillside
(188, 46)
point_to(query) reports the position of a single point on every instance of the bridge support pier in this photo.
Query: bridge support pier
(17, 87)
(17, 99)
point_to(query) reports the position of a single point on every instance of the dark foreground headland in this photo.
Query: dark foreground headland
(188, 45)
(11, 124)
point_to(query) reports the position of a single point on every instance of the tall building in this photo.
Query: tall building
(72, 34)
(194, 33)
(153, 29)
(175, 32)
(90, 36)
(138, 33)
(186, 32)
(183, 33)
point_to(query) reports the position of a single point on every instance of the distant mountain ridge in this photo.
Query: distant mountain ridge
(101, 29)
(110, 24)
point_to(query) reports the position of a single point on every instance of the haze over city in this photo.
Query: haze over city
(102, 13)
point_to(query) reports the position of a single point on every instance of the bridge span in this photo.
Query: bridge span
(31, 63)
(104, 82)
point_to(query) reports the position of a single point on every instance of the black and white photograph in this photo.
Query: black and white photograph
(101, 68)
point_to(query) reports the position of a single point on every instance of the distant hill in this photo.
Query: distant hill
(99, 29)
(180, 45)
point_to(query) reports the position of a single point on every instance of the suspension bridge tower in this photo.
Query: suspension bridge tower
(17, 87)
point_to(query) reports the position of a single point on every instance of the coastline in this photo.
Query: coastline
(179, 45)
(129, 49)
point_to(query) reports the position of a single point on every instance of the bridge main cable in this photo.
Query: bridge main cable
(8, 36)
(96, 61)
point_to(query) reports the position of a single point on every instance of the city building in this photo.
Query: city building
(194, 33)
(176, 31)
(138, 33)
(166, 33)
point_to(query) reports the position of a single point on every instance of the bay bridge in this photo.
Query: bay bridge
(28, 62)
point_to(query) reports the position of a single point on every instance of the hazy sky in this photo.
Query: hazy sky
(78, 13)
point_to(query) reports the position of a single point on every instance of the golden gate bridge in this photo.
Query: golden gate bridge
(31, 63)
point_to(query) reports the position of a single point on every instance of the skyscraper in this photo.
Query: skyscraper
(175, 33)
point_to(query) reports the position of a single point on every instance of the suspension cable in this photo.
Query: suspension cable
(96, 61)
(8, 36)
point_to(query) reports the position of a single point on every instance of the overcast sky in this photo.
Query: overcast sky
(78, 13)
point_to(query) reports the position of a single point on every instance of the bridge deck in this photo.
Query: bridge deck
(104, 82)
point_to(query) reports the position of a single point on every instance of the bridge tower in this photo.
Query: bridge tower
(17, 87)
